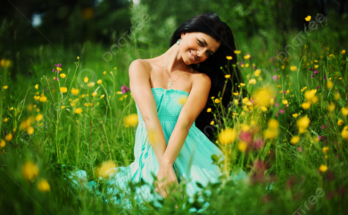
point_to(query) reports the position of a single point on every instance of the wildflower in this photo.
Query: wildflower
(344, 111)
(322, 168)
(247, 56)
(262, 96)
(30, 170)
(63, 89)
(106, 169)
(331, 107)
(343, 51)
(329, 84)
(2, 143)
(316, 66)
(5, 63)
(227, 76)
(85, 79)
(227, 136)
(308, 18)
(340, 122)
(5, 87)
(285, 102)
(281, 111)
(131, 120)
(337, 96)
(124, 88)
(102, 96)
(217, 100)
(209, 110)
(264, 109)
(235, 93)
(242, 84)
(237, 51)
(235, 101)
(78, 110)
(212, 122)
(99, 81)
(303, 123)
(293, 68)
(30, 130)
(8, 137)
(94, 94)
(257, 73)
(325, 149)
(63, 107)
(43, 186)
(306, 105)
(43, 99)
(242, 146)
(309, 94)
(36, 86)
(344, 132)
(39, 117)
(78, 57)
(252, 81)
(229, 57)
(5, 120)
(274, 77)
(74, 91)
(295, 139)
(90, 84)
(104, 72)
(63, 75)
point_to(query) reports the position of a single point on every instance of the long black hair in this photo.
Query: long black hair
(210, 23)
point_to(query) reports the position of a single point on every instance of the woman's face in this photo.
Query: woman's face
(196, 47)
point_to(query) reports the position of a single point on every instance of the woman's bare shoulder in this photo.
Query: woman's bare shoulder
(140, 65)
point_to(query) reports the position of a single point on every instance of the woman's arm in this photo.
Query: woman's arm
(193, 106)
(143, 97)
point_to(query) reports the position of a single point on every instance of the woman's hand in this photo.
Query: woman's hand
(166, 172)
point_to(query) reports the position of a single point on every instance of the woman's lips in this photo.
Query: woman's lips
(192, 57)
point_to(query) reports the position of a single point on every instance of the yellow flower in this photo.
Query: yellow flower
(62, 75)
(217, 100)
(11, 108)
(209, 110)
(94, 94)
(121, 98)
(43, 186)
(30, 130)
(85, 79)
(36, 97)
(285, 102)
(106, 169)
(104, 72)
(235, 94)
(30, 170)
(39, 117)
(263, 96)
(5, 63)
(242, 146)
(5, 120)
(344, 132)
(343, 51)
(309, 94)
(316, 66)
(270, 133)
(2, 143)
(43, 99)
(322, 168)
(102, 96)
(78, 110)
(131, 120)
(8, 137)
(227, 136)
(227, 76)
(229, 57)
(242, 84)
(273, 124)
(36, 86)
(247, 65)
(63, 89)
(295, 115)
(295, 139)
(340, 122)
(306, 105)
(212, 122)
(78, 57)
(303, 123)
(308, 18)
(337, 96)
(252, 81)
(303, 89)
(74, 91)
(5, 87)
(247, 56)
(331, 107)
(237, 51)
(99, 81)
(59, 69)
(257, 73)
(325, 149)
(90, 84)
(63, 107)
(264, 109)
(344, 111)
(293, 68)
(329, 84)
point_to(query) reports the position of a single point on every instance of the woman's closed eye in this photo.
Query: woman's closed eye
(201, 44)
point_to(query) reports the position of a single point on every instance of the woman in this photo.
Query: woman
(168, 144)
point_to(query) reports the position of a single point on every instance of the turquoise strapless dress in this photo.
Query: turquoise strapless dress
(194, 162)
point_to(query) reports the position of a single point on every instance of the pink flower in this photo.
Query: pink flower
(276, 114)
(274, 77)
(124, 88)
(323, 127)
(258, 144)
(276, 104)
(299, 149)
(281, 111)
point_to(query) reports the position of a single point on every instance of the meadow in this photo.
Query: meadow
(75, 108)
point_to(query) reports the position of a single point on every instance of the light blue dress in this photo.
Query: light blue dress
(193, 162)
